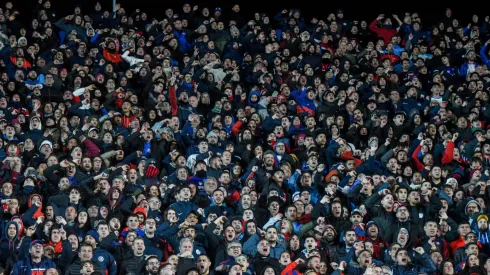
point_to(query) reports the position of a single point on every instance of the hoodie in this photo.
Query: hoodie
(9, 245)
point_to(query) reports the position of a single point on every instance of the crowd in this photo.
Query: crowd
(205, 142)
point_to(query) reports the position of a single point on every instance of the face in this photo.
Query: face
(203, 264)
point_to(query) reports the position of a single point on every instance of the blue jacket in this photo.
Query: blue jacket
(105, 260)
(8, 246)
(183, 208)
(304, 104)
(27, 267)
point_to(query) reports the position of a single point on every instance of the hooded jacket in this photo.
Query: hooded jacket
(9, 245)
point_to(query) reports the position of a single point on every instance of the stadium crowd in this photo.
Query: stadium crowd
(204, 142)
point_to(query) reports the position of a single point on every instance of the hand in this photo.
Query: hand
(220, 220)
(60, 220)
(443, 215)
(40, 220)
(30, 231)
(455, 136)
(255, 168)
(37, 203)
(342, 265)
(420, 250)
(352, 173)
(380, 17)
(300, 261)
(65, 163)
(325, 200)
(174, 219)
(63, 233)
(384, 192)
(320, 168)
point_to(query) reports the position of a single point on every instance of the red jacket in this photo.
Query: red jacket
(384, 33)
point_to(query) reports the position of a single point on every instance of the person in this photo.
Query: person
(216, 140)
(86, 255)
(34, 262)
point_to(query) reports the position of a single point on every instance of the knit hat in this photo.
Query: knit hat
(404, 230)
(212, 134)
(331, 227)
(46, 142)
(94, 234)
(140, 210)
(482, 216)
(470, 202)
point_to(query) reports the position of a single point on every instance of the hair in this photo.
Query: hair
(102, 223)
(184, 240)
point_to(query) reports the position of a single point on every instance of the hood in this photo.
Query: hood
(471, 201)
(29, 203)
(6, 230)
(250, 96)
(395, 235)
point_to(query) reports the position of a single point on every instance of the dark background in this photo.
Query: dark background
(368, 10)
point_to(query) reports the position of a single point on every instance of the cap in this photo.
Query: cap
(36, 242)
(482, 216)
(331, 227)
(212, 134)
(371, 223)
(296, 196)
(232, 244)
(46, 142)
(94, 234)
(356, 211)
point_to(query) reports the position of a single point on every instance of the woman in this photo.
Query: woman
(294, 246)
(472, 266)
(82, 225)
(114, 197)
(446, 267)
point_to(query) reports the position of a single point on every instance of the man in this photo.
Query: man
(349, 240)
(263, 258)
(186, 259)
(152, 265)
(102, 256)
(204, 265)
(403, 221)
(35, 263)
(86, 254)
(276, 246)
(135, 263)
(405, 266)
